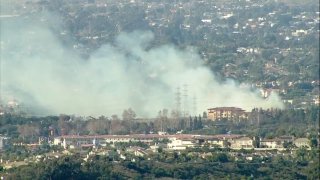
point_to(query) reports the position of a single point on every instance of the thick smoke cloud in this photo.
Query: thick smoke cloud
(39, 71)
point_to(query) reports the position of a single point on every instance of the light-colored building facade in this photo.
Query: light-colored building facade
(242, 142)
(271, 143)
(302, 142)
(74, 141)
(213, 142)
(181, 143)
(228, 113)
(3, 142)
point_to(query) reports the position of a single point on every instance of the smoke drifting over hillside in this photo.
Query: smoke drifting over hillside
(39, 71)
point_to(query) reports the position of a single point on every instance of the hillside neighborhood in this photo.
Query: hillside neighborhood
(184, 141)
(159, 89)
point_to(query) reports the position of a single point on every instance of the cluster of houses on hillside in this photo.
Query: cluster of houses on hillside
(183, 141)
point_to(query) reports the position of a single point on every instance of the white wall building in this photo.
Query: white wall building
(3, 142)
(217, 142)
(73, 141)
(302, 142)
(181, 143)
(243, 142)
(271, 143)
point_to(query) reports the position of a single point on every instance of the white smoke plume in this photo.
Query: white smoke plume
(39, 71)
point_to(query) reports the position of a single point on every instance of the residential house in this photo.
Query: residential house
(3, 142)
(242, 142)
(302, 142)
(137, 151)
(157, 146)
(271, 143)
(181, 143)
(213, 141)
(286, 139)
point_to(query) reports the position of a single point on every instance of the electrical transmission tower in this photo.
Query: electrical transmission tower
(195, 105)
(185, 101)
(178, 102)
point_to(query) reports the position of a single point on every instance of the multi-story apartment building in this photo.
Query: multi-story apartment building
(229, 113)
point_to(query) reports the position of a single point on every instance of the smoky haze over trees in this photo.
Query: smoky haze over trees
(42, 71)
